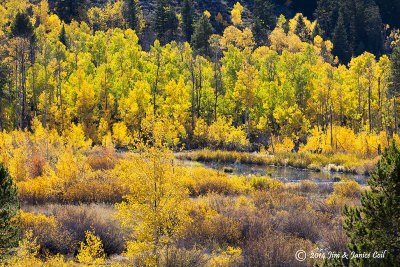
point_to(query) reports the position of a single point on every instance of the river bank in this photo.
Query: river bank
(340, 162)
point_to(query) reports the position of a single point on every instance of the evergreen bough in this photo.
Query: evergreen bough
(375, 225)
(9, 205)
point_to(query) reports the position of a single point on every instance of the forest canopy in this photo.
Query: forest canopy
(256, 80)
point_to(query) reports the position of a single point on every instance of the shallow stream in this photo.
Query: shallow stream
(285, 174)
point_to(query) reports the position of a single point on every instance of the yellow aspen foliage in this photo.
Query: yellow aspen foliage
(135, 105)
(234, 36)
(229, 257)
(281, 145)
(280, 41)
(236, 14)
(344, 140)
(156, 209)
(39, 133)
(18, 164)
(104, 128)
(26, 220)
(246, 84)
(223, 134)
(207, 13)
(345, 192)
(76, 139)
(67, 168)
(107, 140)
(26, 254)
(91, 251)
(121, 136)
(37, 190)
(5, 149)
(200, 131)
(164, 130)
(176, 101)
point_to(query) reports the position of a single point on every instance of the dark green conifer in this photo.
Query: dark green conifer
(375, 226)
(394, 86)
(63, 36)
(341, 47)
(132, 12)
(166, 23)
(202, 32)
(21, 26)
(188, 18)
(9, 205)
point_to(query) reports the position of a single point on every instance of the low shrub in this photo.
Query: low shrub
(36, 166)
(182, 257)
(279, 200)
(103, 160)
(336, 239)
(79, 219)
(300, 223)
(275, 249)
(47, 231)
(208, 226)
(203, 181)
(349, 189)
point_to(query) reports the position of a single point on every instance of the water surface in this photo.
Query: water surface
(285, 174)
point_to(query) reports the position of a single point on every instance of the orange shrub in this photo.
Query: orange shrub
(36, 166)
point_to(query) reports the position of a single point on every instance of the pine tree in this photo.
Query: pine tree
(9, 205)
(317, 31)
(394, 85)
(68, 10)
(264, 20)
(300, 29)
(166, 23)
(132, 10)
(22, 27)
(263, 10)
(373, 28)
(63, 36)
(202, 32)
(375, 226)
(326, 14)
(341, 47)
(188, 18)
(258, 32)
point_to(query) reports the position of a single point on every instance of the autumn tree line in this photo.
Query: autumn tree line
(239, 89)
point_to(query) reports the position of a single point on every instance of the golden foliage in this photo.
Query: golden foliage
(155, 208)
(91, 251)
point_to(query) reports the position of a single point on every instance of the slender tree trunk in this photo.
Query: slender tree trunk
(156, 85)
(369, 108)
(16, 90)
(45, 94)
(248, 121)
(60, 95)
(395, 115)
(20, 95)
(105, 85)
(199, 89)
(380, 105)
(216, 87)
(359, 96)
(33, 88)
(193, 89)
(330, 109)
